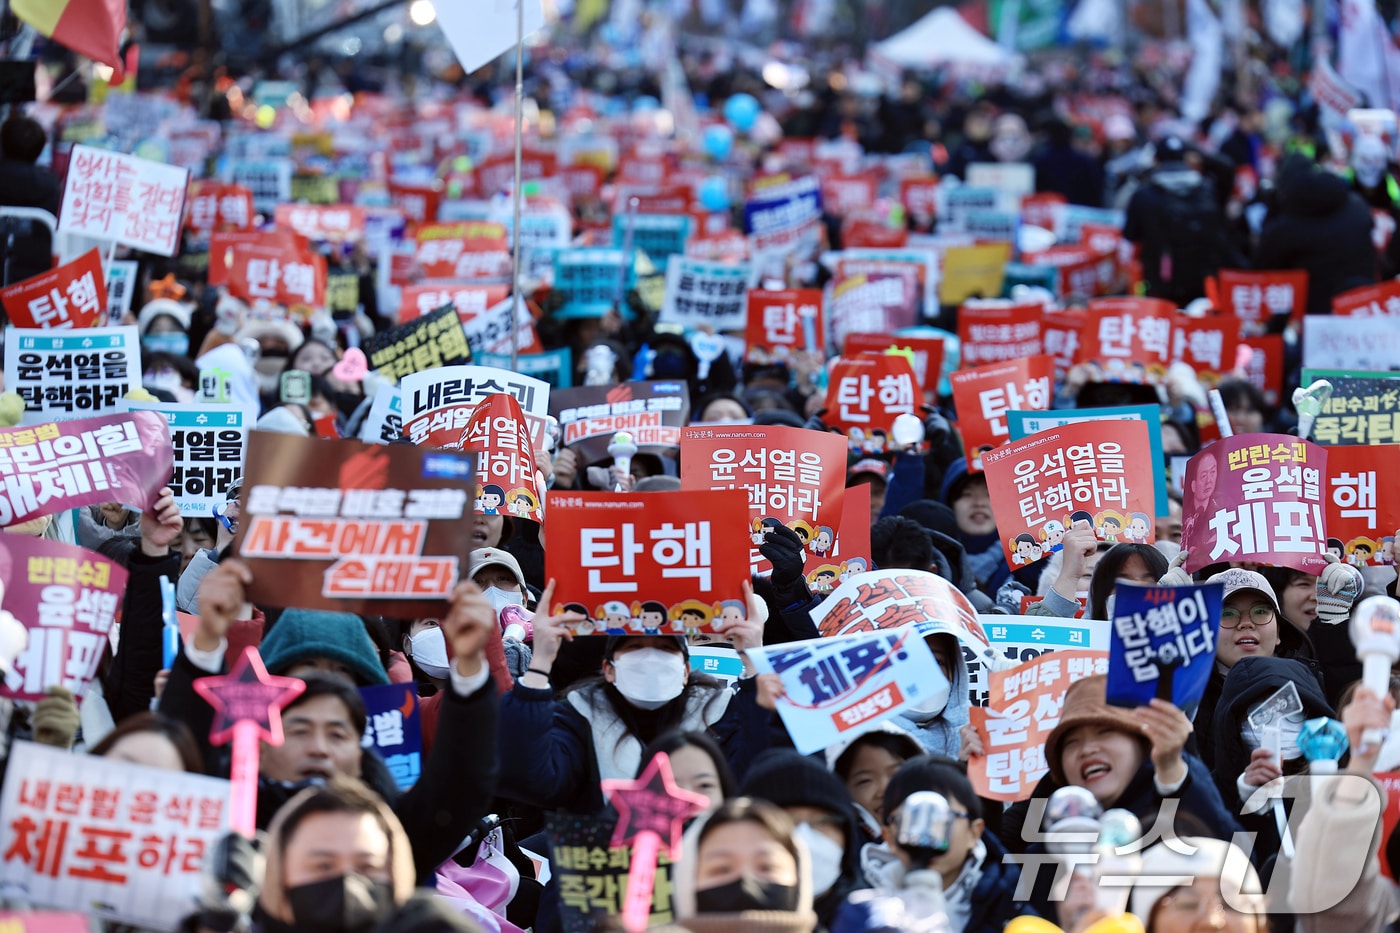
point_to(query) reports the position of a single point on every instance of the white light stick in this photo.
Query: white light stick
(1217, 408)
(622, 450)
(1375, 630)
(1309, 403)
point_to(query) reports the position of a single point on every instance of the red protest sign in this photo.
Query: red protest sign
(1256, 497)
(780, 322)
(214, 206)
(471, 301)
(419, 202)
(1129, 338)
(505, 458)
(469, 251)
(1362, 510)
(68, 598)
(852, 552)
(371, 529)
(995, 333)
(331, 223)
(1206, 344)
(791, 475)
(842, 194)
(919, 195)
(1095, 471)
(983, 396)
(1254, 297)
(269, 272)
(865, 394)
(872, 303)
(641, 563)
(926, 351)
(70, 296)
(1265, 366)
(1060, 333)
(859, 232)
(1039, 210)
(222, 245)
(1023, 708)
(1372, 300)
(1076, 266)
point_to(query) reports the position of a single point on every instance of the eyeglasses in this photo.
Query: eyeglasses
(1259, 615)
(1193, 903)
(956, 814)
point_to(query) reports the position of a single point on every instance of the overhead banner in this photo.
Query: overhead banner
(65, 374)
(125, 842)
(377, 529)
(1256, 497)
(646, 564)
(68, 598)
(1096, 471)
(652, 412)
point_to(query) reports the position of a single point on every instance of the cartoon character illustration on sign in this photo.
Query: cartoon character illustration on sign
(821, 541)
(1109, 525)
(651, 616)
(1053, 536)
(1359, 551)
(521, 503)
(852, 567)
(490, 500)
(614, 617)
(1024, 549)
(693, 614)
(1138, 528)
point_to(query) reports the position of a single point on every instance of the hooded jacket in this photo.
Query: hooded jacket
(1322, 227)
(940, 735)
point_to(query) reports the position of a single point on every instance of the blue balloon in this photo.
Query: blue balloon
(718, 142)
(714, 193)
(645, 104)
(742, 112)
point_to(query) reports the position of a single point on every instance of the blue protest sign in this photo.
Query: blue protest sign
(1163, 643)
(841, 682)
(394, 728)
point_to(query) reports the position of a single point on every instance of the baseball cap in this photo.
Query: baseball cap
(1237, 579)
(484, 557)
(869, 465)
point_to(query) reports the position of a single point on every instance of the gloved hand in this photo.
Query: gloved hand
(815, 423)
(231, 882)
(1338, 587)
(1175, 576)
(55, 719)
(784, 551)
(936, 428)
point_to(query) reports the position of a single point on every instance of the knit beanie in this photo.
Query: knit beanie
(306, 634)
(790, 779)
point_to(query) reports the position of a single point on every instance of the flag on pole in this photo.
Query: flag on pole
(88, 27)
(478, 35)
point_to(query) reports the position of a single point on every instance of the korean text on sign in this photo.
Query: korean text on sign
(782, 322)
(641, 564)
(67, 597)
(591, 875)
(377, 529)
(208, 442)
(116, 197)
(71, 374)
(394, 729)
(424, 343)
(508, 482)
(985, 394)
(1100, 472)
(1256, 296)
(1163, 643)
(867, 393)
(70, 296)
(1363, 509)
(1130, 338)
(50, 467)
(652, 412)
(1022, 710)
(1256, 497)
(791, 475)
(125, 841)
(699, 292)
(439, 402)
(844, 682)
(1364, 408)
(995, 332)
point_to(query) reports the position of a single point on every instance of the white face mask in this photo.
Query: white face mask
(499, 598)
(826, 858)
(429, 649)
(649, 678)
(931, 705)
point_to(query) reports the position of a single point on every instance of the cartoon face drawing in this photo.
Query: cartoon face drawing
(821, 544)
(1052, 534)
(1025, 550)
(1137, 527)
(731, 611)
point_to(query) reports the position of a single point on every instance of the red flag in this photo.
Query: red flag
(88, 27)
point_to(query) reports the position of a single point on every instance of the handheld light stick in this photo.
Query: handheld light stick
(622, 449)
(1375, 630)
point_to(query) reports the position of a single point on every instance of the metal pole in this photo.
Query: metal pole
(518, 194)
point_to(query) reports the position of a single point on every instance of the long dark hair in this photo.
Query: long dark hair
(1108, 568)
(175, 731)
(671, 742)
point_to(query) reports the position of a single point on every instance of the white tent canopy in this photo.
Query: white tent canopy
(942, 38)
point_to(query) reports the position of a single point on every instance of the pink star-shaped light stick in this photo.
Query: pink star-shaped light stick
(248, 704)
(650, 810)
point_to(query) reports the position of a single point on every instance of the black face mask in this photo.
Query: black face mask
(747, 893)
(345, 904)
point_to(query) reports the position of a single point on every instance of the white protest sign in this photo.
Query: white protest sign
(437, 403)
(121, 285)
(122, 841)
(699, 292)
(489, 331)
(844, 682)
(209, 442)
(384, 423)
(1360, 343)
(124, 199)
(65, 374)
(1018, 639)
(1012, 181)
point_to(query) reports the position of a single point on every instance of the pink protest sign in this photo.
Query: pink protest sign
(68, 598)
(248, 704)
(136, 202)
(1256, 497)
(50, 467)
